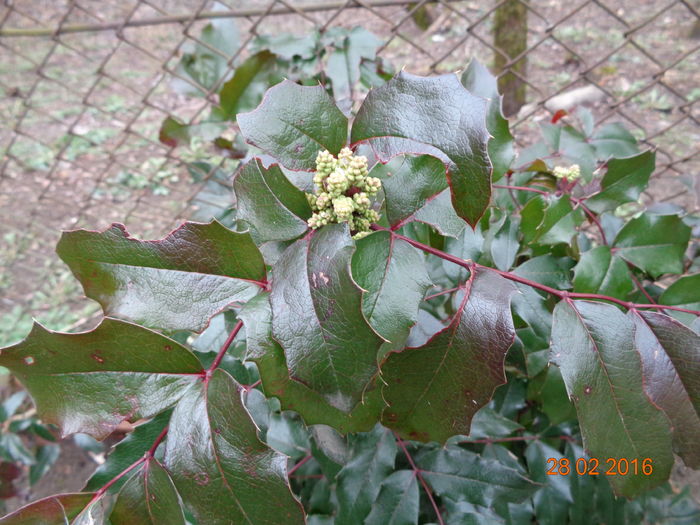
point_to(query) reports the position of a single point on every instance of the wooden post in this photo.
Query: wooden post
(510, 36)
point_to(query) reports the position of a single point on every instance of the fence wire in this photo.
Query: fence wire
(86, 85)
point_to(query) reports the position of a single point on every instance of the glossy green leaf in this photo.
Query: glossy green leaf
(317, 317)
(394, 276)
(614, 140)
(54, 510)
(559, 221)
(477, 79)
(599, 271)
(457, 370)
(174, 132)
(624, 181)
(409, 183)
(438, 117)
(551, 502)
(359, 481)
(684, 293)
(176, 283)
(343, 65)
(222, 471)
(548, 270)
(570, 146)
(654, 243)
(505, 245)
(148, 497)
(293, 123)
(439, 213)
(235, 94)
(397, 502)
(127, 451)
(92, 381)
(673, 353)
(593, 345)
(269, 202)
(292, 394)
(463, 475)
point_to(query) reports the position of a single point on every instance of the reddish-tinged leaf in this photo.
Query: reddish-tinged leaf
(435, 116)
(177, 283)
(433, 391)
(317, 317)
(54, 510)
(665, 358)
(222, 471)
(92, 381)
(594, 346)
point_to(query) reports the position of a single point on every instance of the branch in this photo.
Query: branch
(512, 277)
(422, 481)
(222, 352)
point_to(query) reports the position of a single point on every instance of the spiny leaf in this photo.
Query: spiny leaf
(92, 381)
(548, 270)
(148, 497)
(438, 117)
(614, 140)
(550, 220)
(398, 501)
(235, 94)
(669, 361)
(293, 395)
(176, 283)
(394, 275)
(317, 317)
(477, 79)
(54, 510)
(593, 345)
(685, 293)
(222, 471)
(654, 243)
(457, 370)
(358, 483)
(624, 181)
(269, 202)
(458, 473)
(293, 123)
(599, 271)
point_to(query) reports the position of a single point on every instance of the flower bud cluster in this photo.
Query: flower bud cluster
(342, 191)
(571, 173)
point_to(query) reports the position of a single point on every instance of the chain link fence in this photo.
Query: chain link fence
(86, 85)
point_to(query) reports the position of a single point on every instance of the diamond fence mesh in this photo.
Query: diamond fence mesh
(86, 85)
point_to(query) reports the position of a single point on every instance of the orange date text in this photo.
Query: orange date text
(597, 467)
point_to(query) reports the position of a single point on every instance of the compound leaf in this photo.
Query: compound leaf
(593, 345)
(317, 317)
(269, 202)
(92, 381)
(457, 370)
(148, 497)
(176, 283)
(438, 117)
(293, 123)
(223, 472)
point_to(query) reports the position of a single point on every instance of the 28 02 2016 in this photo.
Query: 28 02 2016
(596, 467)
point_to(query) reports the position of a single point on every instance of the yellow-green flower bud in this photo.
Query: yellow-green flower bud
(571, 173)
(337, 182)
(361, 200)
(343, 208)
(360, 235)
(323, 200)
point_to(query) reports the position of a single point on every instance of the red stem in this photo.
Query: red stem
(296, 467)
(438, 294)
(422, 481)
(222, 352)
(558, 293)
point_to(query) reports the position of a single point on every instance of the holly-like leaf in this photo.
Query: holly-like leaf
(654, 243)
(673, 353)
(684, 293)
(548, 270)
(148, 497)
(398, 501)
(477, 79)
(624, 181)
(614, 140)
(222, 471)
(293, 395)
(359, 481)
(275, 208)
(550, 220)
(235, 95)
(176, 283)
(317, 317)
(174, 132)
(599, 271)
(593, 344)
(394, 275)
(54, 510)
(504, 244)
(434, 116)
(128, 451)
(463, 475)
(456, 370)
(293, 123)
(92, 381)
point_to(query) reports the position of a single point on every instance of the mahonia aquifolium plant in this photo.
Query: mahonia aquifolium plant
(570, 173)
(342, 192)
